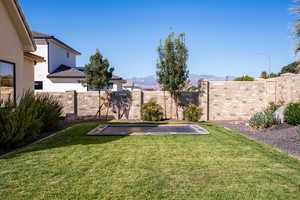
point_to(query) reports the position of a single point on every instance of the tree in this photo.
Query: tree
(244, 78)
(290, 68)
(97, 75)
(264, 75)
(296, 10)
(172, 71)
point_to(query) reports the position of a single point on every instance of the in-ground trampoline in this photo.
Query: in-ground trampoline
(147, 129)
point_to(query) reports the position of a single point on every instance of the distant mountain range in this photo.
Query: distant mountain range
(150, 81)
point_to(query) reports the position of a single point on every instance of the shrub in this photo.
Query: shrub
(24, 122)
(262, 120)
(292, 114)
(192, 113)
(50, 109)
(151, 111)
(272, 107)
(20, 123)
(244, 78)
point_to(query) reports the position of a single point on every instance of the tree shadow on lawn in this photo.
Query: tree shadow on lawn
(75, 135)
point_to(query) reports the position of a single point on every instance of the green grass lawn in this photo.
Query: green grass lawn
(222, 165)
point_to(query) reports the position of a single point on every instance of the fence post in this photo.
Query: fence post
(204, 98)
(71, 104)
(137, 101)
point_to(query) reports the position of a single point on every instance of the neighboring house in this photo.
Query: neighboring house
(130, 86)
(59, 73)
(16, 44)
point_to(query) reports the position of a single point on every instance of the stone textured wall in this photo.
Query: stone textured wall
(124, 105)
(239, 100)
(236, 100)
(220, 100)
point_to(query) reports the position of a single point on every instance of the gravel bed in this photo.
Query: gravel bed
(281, 137)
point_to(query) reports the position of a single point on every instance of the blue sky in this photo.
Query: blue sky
(224, 37)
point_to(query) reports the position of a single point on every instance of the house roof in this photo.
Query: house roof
(18, 18)
(64, 71)
(38, 35)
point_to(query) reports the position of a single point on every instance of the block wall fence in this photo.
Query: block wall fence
(220, 100)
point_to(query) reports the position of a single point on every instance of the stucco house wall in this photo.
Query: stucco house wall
(15, 38)
(62, 85)
(28, 75)
(41, 68)
(55, 55)
(58, 56)
(13, 51)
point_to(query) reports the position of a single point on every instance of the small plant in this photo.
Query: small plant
(151, 111)
(292, 114)
(262, 120)
(192, 113)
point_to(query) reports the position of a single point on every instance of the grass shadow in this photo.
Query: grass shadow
(74, 135)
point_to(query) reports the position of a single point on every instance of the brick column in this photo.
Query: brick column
(136, 103)
(204, 98)
(70, 103)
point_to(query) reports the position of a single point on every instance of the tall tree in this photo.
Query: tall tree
(296, 10)
(172, 71)
(264, 74)
(97, 75)
(290, 68)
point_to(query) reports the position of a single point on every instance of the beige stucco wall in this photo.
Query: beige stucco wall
(11, 50)
(28, 75)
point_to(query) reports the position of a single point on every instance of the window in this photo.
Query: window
(68, 55)
(7, 81)
(38, 85)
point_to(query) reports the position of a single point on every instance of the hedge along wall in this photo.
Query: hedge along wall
(220, 100)
(239, 100)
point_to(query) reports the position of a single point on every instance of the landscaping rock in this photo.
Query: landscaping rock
(279, 114)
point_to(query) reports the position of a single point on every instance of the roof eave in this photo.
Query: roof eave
(21, 25)
(33, 57)
(77, 53)
(80, 77)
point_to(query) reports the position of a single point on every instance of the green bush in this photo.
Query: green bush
(292, 114)
(272, 107)
(24, 122)
(50, 109)
(19, 124)
(192, 113)
(262, 120)
(151, 111)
